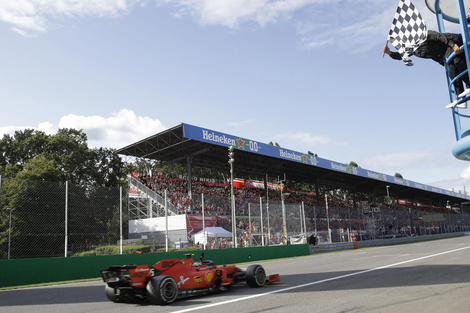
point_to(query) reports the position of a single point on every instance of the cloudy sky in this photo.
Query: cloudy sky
(308, 74)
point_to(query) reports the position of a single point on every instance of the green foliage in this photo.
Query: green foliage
(23, 146)
(152, 166)
(109, 170)
(10, 170)
(86, 253)
(69, 150)
(141, 165)
(33, 155)
(352, 163)
(115, 250)
(40, 168)
(31, 219)
(30, 160)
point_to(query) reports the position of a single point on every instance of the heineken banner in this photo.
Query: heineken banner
(221, 139)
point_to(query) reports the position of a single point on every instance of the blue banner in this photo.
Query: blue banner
(221, 139)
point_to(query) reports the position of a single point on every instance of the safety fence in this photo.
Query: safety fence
(51, 219)
(275, 222)
(55, 219)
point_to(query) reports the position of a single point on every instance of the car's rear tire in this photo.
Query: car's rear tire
(162, 290)
(111, 294)
(255, 276)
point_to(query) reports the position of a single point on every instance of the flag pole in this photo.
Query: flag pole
(386, 44)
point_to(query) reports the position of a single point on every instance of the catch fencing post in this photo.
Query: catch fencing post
(328, 219)
(249, 224)
(204, 237)
(120, 220)
(261, 217)
(66, 216)
(166, 224)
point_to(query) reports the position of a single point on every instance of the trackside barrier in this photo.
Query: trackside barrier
(21, 272)
(330, 247)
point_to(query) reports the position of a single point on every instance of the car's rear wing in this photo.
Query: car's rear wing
(116, 271)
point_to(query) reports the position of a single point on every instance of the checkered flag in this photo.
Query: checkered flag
(408, 30)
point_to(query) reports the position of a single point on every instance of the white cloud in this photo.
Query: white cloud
(354, 25)
(37, 15)
(457, 183)
(46, 127)
(40, 15)
(462, 183)
(116, 131)
(465, 173)
(305, 139)
(231, 13)
(399, 160)
(241, 124)
(425, 166)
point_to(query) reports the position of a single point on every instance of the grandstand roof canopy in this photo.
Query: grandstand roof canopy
(208, 148)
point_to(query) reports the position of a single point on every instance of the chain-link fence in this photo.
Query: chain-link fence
(52, 219)
(272, 222)
(339, 224)
(56, 219)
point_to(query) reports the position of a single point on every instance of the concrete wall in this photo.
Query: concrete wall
(330, 247)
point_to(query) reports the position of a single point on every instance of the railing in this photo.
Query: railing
(461, 149)
(172, 209)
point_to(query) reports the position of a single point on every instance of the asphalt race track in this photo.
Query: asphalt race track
(431, 276)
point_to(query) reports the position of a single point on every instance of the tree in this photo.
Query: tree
(38, 211)
(141, 165)
(352, 163)
(398, 175)
(109, 170)
(34, 169)
(22, 147)
(40, 169)
(69, 150)
(66, 151)
(5, 146)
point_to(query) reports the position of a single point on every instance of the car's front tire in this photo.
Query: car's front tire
(255, 276)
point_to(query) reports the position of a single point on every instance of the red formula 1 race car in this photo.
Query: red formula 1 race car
(170, 279)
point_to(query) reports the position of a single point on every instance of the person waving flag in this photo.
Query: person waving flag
(408, 30)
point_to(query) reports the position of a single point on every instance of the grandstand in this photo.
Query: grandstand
(193, 145)
(196, 146)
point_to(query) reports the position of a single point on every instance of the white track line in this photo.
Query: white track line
(317, 282)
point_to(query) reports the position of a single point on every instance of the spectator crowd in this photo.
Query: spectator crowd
(367, 218)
